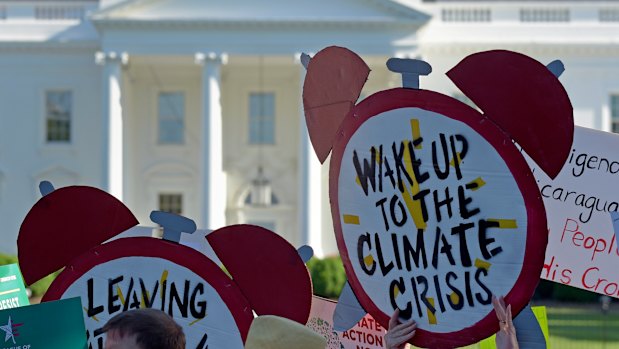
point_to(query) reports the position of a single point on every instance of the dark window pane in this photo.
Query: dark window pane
(171, 106)
(262, 118)
(58, 107)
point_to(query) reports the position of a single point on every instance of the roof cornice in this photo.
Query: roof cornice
(50, 46)
(403, 17)
(236, 24)
(392, 6)
(605, 49)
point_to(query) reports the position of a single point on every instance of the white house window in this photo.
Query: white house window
(171, 202)
(251, 200)
(171, 118)
(262, 118)
(609, 14)
(614, 112)
(58, 106)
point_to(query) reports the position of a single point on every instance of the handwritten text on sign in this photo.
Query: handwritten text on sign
(582, 248)
(366, 334)
(112, 287)
(432, 219)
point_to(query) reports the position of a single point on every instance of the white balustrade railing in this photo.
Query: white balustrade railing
(59, 12)
(466, 15)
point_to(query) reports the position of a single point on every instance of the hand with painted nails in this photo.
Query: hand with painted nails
(399, 333)
(506, 337)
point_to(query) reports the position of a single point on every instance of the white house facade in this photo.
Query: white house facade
(194, 106)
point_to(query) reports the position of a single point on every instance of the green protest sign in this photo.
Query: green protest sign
(50, 325)
(542, 319)
(12, 290)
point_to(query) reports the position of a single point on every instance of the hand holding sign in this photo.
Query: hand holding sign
(399, 333)
(506, 337)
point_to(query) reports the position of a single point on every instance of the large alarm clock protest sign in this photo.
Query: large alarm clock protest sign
(435, 211)
(136, 273)
(418, 217)
(214, 308)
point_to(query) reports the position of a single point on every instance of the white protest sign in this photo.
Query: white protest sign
(434, 215)
(142, 272)
(582, 247)
(366, 334)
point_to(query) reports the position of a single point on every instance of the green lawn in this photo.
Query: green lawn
(581, 327)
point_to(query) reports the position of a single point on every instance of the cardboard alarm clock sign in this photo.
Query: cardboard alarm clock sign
(435, 209)
(171, 278)
(69, 228)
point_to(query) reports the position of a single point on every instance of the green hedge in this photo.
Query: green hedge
(559, 292)
(38, 288)
(328, 276)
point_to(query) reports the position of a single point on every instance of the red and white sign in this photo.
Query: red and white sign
(433, 207)
(582, 247)
(434, 214)
(367, 334)
(133, 273)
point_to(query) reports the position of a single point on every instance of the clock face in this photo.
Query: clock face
(145, 272)
(435, 211)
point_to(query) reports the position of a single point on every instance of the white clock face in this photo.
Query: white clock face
(112, 287)
(432, 219)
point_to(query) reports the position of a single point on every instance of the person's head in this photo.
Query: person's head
(143, 329)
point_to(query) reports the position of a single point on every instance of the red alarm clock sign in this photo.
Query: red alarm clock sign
(215, 310)
(171, 277)
(434, 208)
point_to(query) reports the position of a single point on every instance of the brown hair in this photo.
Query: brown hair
(153, 329)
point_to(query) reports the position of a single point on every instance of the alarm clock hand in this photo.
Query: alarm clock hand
(173, 225)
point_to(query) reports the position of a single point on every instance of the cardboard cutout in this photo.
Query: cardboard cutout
(525, 99)
(434, 208)
(68, 210)
(274, 283)
(150, 273)
(138, 272)
(348, 310)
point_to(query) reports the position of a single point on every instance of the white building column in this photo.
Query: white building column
(310, 177)
(112, 114)
(213, 178)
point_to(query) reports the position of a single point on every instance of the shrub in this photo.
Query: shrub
(38, 288)
(7, 259)
(572, 294)
(559, 292)
(544, 290)
(328, 276)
